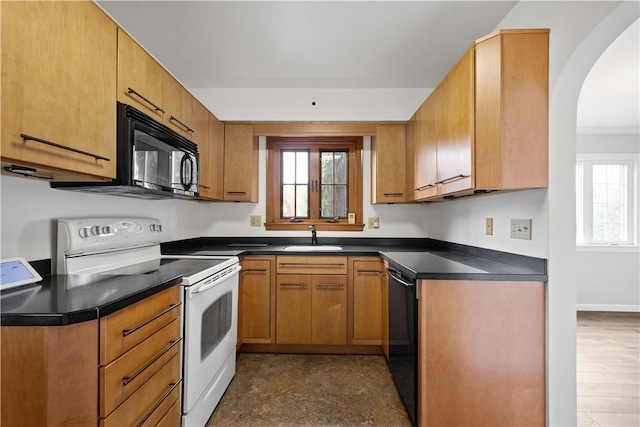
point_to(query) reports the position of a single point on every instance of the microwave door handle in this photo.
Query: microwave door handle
(184, 169)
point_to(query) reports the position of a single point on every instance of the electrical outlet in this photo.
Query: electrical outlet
(256, 220)
(521, 229)
(374, 222)
(489, 227)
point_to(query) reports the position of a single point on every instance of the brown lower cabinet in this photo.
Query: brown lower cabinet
(257, 306)
(481, 353)
(123, 369)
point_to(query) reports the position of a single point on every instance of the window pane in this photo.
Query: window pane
(600, 174)
(614, 232)
(302, 201)
(614, 173)
(326, 206)
(302, 167)
(326, 167)
(340, 201)
(288, 167)
(288, 201)
(614, 193)
(341, 167)
(599, 193)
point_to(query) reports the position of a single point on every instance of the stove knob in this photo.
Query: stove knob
(106, 229)
(84, 232)
(153, 227)
(95, 230)
(159, 228)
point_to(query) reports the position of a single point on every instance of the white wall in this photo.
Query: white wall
(29, 210)
(608, 278)
(232, 219)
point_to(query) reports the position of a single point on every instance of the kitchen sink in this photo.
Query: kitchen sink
(310, 248)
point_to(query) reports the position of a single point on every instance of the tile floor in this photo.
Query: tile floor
(608, 369)
(310, 390)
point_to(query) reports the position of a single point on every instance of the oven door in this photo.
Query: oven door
(210, 331)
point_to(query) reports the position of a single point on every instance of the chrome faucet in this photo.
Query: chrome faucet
(314, 236)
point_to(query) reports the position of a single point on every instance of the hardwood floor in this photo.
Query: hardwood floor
(608, 369)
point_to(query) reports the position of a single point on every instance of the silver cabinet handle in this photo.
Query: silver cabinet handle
(393, 194)
(126, 332)
(53, 144)
(293, 285)
(459, 176)
(379, 273)
(155, 107)
(240, 193)
(261, 270)
(329, 286)
(185, 127)
(424, 187)
(127, 380)
(304, 264)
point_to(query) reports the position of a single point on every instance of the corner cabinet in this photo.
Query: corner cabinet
(240, 163)
(490, 357)
(59, 112)
(485, 127)
(388, 156)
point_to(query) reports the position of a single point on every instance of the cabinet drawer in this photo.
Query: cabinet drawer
(126, 328)
(121, 378)
(149, 397)
(173, 416)
(312, 265)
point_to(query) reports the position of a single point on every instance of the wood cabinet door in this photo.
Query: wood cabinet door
(139, 77)
(329, 310)
(200, 120)
(176, 103)
(257, 315)
(456, 128)
(215, 162)
(490, 357)
(388, 171)
(240, 163)
(293, 316)
(367, 302)
(426, 141)
(58, 85)
(410, 148)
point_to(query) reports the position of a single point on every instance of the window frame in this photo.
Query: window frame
(584, 198)
(275, 144)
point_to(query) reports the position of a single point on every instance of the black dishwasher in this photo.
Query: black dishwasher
(403, 338)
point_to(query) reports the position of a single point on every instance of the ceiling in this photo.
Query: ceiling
(273, 49)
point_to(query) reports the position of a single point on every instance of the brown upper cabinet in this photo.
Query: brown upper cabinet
(211, 159)
(139, 77)
(388, 157)
(58, 112)
(176, 102)
(488, 119)
(240, 163)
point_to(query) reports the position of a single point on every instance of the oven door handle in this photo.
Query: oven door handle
(208, 285)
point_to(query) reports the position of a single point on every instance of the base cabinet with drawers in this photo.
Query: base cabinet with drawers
(140, 367)
(257, 304)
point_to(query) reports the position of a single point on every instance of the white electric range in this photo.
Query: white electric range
(116, 246)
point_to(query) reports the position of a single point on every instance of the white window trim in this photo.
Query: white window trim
(633, 194)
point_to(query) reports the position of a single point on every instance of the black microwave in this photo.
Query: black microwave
(153, 161)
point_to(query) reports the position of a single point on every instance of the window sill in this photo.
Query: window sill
(608, 248)
(320, 226)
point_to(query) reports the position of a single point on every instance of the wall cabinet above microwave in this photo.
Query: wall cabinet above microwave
(58, 113)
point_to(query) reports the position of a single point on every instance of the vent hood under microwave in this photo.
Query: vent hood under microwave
(153, 161)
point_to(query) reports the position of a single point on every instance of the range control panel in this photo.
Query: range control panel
(79, 236)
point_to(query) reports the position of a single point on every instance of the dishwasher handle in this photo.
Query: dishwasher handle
(397, 276)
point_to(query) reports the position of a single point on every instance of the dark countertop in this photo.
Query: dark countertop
(62, 300)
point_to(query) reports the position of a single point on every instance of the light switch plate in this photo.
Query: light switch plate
(256, 220)
(374, 222)
(521, 229)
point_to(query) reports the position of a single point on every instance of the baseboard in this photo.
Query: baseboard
(608, 307)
